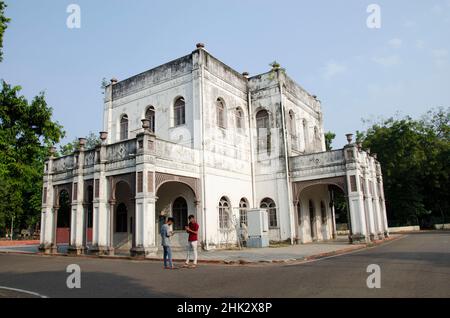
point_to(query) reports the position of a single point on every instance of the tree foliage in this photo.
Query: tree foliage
(26, 133)
(3, 25)
(415, 160)
(329, 137)
(92, 140)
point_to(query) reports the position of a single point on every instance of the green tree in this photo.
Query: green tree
(92, 140)
(415, 160)
(26, 133)
(3, 25)
(329, 137)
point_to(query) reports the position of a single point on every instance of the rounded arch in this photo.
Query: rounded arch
(239, 115)
(179, 111)
(263, 130)
(180, 213)
(123, 127)
(150, 114)
(243, 208)
(63, 216)
(178, 200)
(63, 209)
(269, 204)
(159, 185)
(224, 212)
(221, 113)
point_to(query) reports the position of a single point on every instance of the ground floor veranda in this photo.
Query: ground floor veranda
(79, 228)
(114, 198)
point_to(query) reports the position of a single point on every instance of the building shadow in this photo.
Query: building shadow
(93, 285)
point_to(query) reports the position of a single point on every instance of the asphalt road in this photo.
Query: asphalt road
(417, 265)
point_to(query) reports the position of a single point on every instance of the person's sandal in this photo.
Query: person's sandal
(186, 266)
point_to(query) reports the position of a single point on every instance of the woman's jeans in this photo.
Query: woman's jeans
(167, 256)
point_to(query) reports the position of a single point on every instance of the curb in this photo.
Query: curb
(242, 262)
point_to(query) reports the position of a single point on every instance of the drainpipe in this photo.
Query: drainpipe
(286, 157)
(202, 74)
(252, 155)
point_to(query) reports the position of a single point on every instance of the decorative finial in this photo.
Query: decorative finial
(103, 135)
(349, 138)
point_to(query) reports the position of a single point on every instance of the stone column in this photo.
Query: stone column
(355, 195)
(78, 216)
(382, 201)
(100, 241)
(333, 215)
(368, 206)
(46, 235)
(144, 231)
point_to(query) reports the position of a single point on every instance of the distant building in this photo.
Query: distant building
(193, 136)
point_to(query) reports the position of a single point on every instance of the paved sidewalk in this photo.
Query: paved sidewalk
(18, 242)
(273, 254)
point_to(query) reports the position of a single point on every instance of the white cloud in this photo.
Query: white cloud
(420, 44)
(332, 69)
(387, 61)
(440, 53)
(437, 9)
(440, 57)
(409, 24)
(395, 43)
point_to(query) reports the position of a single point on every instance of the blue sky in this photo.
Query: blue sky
(325, 46)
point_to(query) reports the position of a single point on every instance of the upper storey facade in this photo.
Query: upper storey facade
(199, 102)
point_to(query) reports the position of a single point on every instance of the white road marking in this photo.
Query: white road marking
(23, 291)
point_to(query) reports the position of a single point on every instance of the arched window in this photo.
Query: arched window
(220, 112)
(150, 115)
(268, 204)
(317, 140)
(124, 127)
(293, 130)
(239, 118)
(305, 133)
(323, 212)
(299, 213)
(263, 130)
(243, 207)
(179, 112)
(224, 213)
(121, 218)
(180, 213)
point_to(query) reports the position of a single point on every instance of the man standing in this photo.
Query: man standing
(165, 242)
(192, 229)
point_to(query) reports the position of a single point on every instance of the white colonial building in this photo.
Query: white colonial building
(194, 136)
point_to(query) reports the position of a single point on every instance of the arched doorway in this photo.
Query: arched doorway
(63, 219)
(177, 200)
(123, 217)
(89, 212)
(320, 206)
